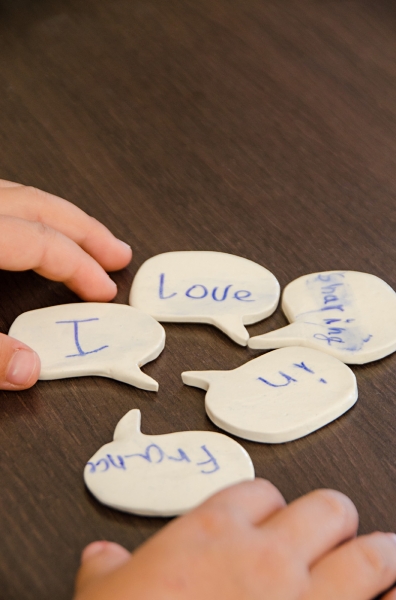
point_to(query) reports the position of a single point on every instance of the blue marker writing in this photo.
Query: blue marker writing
(243, 295)
(152, 457)
(287, 377)
(182, 456)
(211, 460)
(118, 465)
(226, 290)
(304, 367)
(161, 288)
(197, 295)
(76, 340)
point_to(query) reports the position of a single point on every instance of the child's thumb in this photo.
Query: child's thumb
(19, 364)
(97, 560)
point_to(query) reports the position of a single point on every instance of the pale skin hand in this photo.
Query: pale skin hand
(245, 544)
(59, 241)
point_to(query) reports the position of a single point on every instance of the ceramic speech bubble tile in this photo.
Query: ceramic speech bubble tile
(110, 340)
(278, 397)
(347, 314)
(206, 287)
(164, 475)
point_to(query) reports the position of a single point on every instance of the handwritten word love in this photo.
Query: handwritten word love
(199, 292)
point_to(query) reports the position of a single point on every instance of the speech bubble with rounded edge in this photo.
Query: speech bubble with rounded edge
(164, 475)
(92, 338)
(278, 397)
(206, 287)
(347, 314)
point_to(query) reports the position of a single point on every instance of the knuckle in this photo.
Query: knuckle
(213, 521)
(278, 549)
(267, 489)
(92, 227)
(289, 571)
(375, 556)
(337, 504)
(40, 199)
(34, 192)
(44, 231)
(248, 489)
(47, 237)
(94, 223)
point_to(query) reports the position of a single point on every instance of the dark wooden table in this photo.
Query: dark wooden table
(261, 128)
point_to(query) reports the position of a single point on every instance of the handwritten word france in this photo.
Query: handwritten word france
(287, 379)
(199, 291)
(155, 455)
(80, 351)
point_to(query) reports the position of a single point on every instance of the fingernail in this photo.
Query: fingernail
(21, 367)
(392, 537)
(124, 244)
(92, 549)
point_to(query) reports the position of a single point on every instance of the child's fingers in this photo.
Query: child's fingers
(34, 205)
(26, 245)
(312, 525)
(19, 364)
(358, 570)
(97, 560)
(390, 595)
(253, 500)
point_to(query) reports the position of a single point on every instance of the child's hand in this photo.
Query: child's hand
(244, 544)
(59, 241)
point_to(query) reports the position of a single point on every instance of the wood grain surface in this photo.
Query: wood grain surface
(261, 128)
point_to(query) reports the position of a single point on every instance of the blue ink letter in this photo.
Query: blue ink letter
(339, 307)
(76, 340)
(243, 298)
(205, 292)
(303, 366)
(121, 461)
(105, 462)
(287, 377)
(206, 462)
(161, 289)
(147, 455)
(328, 339)
(224, 293)
(182, 456)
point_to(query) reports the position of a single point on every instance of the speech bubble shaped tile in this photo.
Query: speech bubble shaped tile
(92, 338)
(164, 475)
(206, 287)
(278, 397)
(347, 314)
